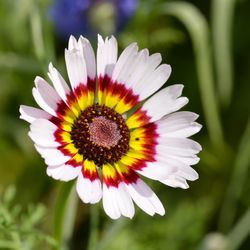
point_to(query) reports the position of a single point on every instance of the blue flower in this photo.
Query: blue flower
(88, 17)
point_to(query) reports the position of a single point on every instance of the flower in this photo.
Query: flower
(90, 16)
(111, 125)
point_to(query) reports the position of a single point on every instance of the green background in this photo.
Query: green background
(207, 43)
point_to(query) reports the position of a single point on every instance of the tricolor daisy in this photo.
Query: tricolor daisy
(109, 127)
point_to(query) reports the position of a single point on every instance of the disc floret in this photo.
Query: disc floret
(101, 135)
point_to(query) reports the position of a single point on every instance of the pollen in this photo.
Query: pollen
(101, 135)
(104, 132)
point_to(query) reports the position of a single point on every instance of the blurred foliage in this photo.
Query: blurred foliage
(19, 229)
(213, 214)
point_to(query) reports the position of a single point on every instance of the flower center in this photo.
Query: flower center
(101, 135)
(104, 132)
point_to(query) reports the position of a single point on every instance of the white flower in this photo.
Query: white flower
(84, 131)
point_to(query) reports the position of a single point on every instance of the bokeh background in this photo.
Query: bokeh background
(207, 43)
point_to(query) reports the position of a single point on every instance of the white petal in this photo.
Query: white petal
(183, 131)
(183, 169)
(154, 82)
(30, 114)
(188, 173)
(45, 96)
(177, 146)
(157, 170)
(153, 62)
(110, 207)
(106, 56)
(136, 69)
(117, 202)
(145, 198)
(176, 181)
(165, 102)
(147, 69)
(182, 117)
(59, 83)
(63, 172)
(89, 191)
(52, 156)
(167, 161)
(187, 160)
(42, 133)
(123, 64)
(124, 201)
(89, 56)
(175, 126)
(72, 43)
(75, 63)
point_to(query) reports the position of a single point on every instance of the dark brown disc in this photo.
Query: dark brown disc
(101, 135)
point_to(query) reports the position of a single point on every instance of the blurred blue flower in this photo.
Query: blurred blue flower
(88, 17)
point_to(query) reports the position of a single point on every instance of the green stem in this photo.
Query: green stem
(240, 232)
(222, 18)
(238, 179)
(36, 31)
(94, 221)
(65, 215)
(197, 27)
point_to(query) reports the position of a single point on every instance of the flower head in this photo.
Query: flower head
(90, 16)
(85, 131)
